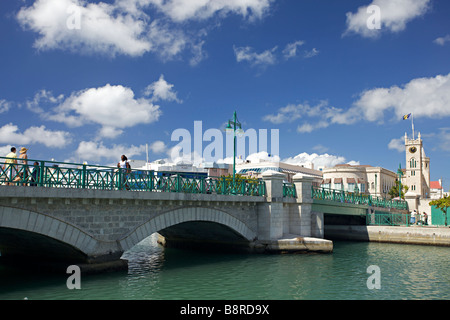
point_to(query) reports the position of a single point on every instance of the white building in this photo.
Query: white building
(256, 169)
(436, 190)
(163, 166)
(375, 181)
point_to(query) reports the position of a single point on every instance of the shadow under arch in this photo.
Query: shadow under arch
(35, 235)
(199, 224)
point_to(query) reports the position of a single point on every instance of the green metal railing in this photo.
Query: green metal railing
(289, 190)
(355, 198)
(388, 219)
(54, 174)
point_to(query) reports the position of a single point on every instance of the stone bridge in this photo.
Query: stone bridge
(93, 227)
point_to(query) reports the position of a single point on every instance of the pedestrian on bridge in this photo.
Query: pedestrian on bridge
(24, 160)
(10, 166)
(124, 170)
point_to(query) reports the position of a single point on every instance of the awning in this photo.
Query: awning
(351, 180)
(326, 181)
(337, 180)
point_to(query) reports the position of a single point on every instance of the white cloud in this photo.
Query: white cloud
(113, 107)
(310, 127)
(312, 53)
(93, 151)
(182, 10)
(158, 147)
(442, 40)
(302, 159)
(102, 27)
(198, 53)
(255, 59)
(394, 15)
(161, 90)
(293, 112)
(426, 97)
(290, 50)
(262, 156)
(40, 98)
(323, 160)
(125, 27)
(4, 105)
(327, 114)
(289, 113)
(9, 133)
(397, 144)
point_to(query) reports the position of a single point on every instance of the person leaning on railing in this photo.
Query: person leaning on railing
(35, 174)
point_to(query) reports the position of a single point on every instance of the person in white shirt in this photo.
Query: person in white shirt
(10, 166)
(125, 165)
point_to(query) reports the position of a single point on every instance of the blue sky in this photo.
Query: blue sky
(91, 80)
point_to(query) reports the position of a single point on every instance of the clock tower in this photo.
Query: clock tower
(417, 175)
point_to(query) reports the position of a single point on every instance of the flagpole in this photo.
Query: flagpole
(412, 124)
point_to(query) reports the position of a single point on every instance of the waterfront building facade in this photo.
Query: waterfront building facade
(365, 179)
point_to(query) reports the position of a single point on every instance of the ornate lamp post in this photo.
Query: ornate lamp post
(235, 127)
(400, 174)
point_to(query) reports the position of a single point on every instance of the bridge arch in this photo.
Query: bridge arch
(24, 231)
(184, 215)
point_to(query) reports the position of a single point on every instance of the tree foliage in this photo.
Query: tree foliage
(443, 204)
(393, 193)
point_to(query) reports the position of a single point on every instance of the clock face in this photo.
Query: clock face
(412, 149)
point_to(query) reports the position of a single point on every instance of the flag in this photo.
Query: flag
(406, 117)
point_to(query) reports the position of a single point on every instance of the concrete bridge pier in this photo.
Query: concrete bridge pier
(288, 224)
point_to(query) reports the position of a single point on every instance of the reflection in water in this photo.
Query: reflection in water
(407, 272)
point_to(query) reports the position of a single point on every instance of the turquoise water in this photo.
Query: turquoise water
(406, 272)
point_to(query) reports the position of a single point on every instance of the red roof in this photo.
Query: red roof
(435, 185)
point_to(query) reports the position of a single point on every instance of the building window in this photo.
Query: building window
(413, 163)
(413, 173)
(326, 185)
(362, 187)
(338, 186)
(351, 187)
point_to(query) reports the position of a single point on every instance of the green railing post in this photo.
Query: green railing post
(42, 174)
(202, 186)
(151, 180)
(178, 187)
(83, 178)
(223, 185)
